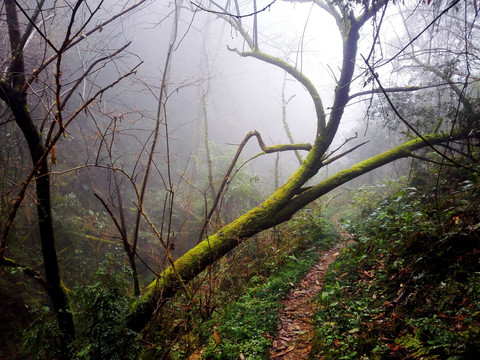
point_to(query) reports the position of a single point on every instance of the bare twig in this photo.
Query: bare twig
(331, 160)
(342, 145)
(31, 21)
(99, 27)
(167, 251)
(408, 124)
(398, 89)
(236, 16)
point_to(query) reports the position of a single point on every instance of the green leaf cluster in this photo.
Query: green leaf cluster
(101, 307)
(246, 325)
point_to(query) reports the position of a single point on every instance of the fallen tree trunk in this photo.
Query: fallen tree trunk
(260, 218)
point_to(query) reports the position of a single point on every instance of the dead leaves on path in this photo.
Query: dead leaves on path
(295, 330)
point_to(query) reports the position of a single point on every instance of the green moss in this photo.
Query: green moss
(287, 147)
(364, 167)
(65, 289)
(246, 326)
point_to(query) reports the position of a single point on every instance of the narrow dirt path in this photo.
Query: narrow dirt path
(295, 331)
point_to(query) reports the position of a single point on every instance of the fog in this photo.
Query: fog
(154, 151)
(240, 94)
(243, 94)
(192, 79)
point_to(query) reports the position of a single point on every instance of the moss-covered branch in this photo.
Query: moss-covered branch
(292, 196)
(363, 167)
(286, 147)
(227, 176)
(25, 269)
(254, 221)
(280, 147)
(300, 77)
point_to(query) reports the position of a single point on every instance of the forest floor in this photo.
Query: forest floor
(295, 330)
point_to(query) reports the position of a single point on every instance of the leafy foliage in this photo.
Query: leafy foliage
(234, 309)
(39, 340)
(245, 325)
(99, 311)
(101, 307)
(409, 287)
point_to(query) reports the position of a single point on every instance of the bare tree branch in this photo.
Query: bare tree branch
(99, 27)
(236, 16)
(399, 89)
(408, 124)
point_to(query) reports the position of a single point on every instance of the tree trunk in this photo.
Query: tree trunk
(56, 290)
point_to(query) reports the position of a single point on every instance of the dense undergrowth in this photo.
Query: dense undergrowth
(234, 312)
(244, 328)
(99, 313)
(230, 311)
(409, 287)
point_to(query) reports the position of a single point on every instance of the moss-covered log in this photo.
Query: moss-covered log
(262, 217)
(289, 198)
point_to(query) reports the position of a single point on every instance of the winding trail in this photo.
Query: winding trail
(295, 331)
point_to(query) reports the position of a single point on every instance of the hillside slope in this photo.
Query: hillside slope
(410, 285)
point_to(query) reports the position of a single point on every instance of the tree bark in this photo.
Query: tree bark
(16, 100)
